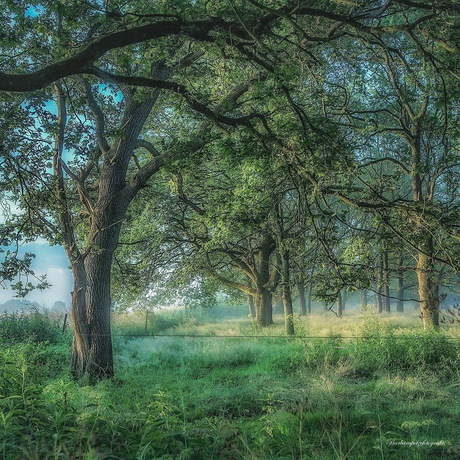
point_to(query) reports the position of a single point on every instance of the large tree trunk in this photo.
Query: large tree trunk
(97, 360)
(302, 299)
(98, 303)
(427, 287)
(264, 307)
(91, 301)
(91, 304)
(310, 290)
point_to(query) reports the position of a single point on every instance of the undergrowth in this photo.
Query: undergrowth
(387, 393)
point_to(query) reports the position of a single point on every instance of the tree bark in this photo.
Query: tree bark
(378, 289)
(96, 358)
(252, 309)
(264, 307)
(400, 285)
(427, 287)
(386, 278)
(287, 296)
(302, 299)
(92, 343)
(264, 298)
(429, 301)
(98, 303)
(310, 289)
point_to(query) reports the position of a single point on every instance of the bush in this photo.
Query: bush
(380, 348)
(34, 325)
(35, 362)
(376, 346)
(326, 352)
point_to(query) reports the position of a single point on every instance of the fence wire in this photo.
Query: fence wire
(306, 337)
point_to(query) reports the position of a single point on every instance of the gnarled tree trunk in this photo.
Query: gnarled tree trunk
(98, 303)
(264, 307)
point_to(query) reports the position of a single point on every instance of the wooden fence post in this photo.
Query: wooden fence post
(65, 323)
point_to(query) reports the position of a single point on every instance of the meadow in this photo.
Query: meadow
(208, 384)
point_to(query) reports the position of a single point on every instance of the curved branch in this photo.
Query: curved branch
(174, 87)
(65, 218)
(98, 115)
(142, 143)
(392, 160)
(76, 64)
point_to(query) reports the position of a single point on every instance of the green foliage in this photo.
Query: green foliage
(134, 323)
(266, 397)
(32, 325)
(382, 347)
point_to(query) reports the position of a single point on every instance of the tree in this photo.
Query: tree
(416, 111)
(107, 68)
(83, 204)
(225, 218)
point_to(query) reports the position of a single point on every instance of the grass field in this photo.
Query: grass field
(208, 386)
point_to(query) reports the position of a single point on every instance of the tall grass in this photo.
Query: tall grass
(387, 392)
(32, 325)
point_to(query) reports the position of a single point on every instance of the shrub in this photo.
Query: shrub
(34, 325)
(325, 352)
(379, 347)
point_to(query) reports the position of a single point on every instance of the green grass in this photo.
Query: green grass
(392, 395)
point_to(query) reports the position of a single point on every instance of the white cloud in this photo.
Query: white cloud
(50, 260)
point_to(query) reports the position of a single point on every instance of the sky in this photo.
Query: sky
(52, 261)
(49, 260)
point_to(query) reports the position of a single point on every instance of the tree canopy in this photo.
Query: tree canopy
(261, 143)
